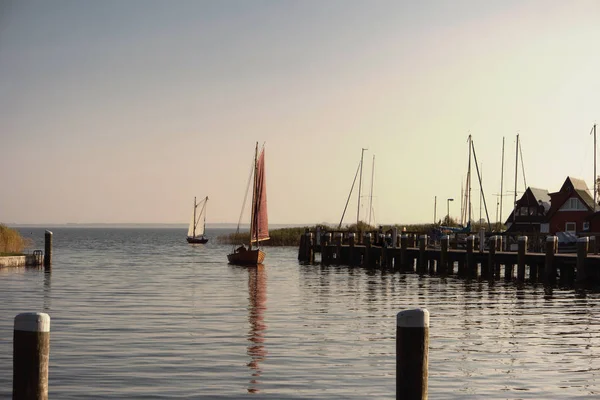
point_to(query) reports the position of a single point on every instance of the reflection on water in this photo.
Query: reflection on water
(257, 281)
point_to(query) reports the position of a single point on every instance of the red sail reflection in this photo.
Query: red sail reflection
(257, 295)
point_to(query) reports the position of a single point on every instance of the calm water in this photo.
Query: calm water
(140, 314)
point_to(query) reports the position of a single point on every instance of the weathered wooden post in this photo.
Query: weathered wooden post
(481, 239)
(47, 250)
(522, 251)
(310, 251)
(549, 265)
(491, 264)
(396, 238)
(338, 248)
(470, 257)
(387, 259)
(302, 249)
(404, 252)
(367, 257)
(444, 245)
(499, 243)
(325, 240)
(412, 354)
(582, 252)
(593, 246)
(412, 238)
(351, 244)
(31, 353)
(422, 254)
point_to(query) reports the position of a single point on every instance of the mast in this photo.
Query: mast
(516, 178)
(359, 187)
(595, 176)
(468, 194)
(253, 219)
(434, 210)
(371, 195)
(502, 180)
(194, 229)
(205, 204)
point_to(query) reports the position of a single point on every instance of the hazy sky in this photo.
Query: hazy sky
(123, 111)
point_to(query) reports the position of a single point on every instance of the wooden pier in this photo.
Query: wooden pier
(411, 254)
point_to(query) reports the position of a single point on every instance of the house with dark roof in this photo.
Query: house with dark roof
(529, 212)
(570, 208)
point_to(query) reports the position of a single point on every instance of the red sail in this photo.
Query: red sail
(261, 220)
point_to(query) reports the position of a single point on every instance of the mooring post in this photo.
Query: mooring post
(470, 257)
(593, 249)
(338, 247)
(444, 245)
(31, 352)
(422, 257)
(351, 243)
(404, 251)
(522, 251)
(396, 238)
(48, 250)
(302, 249)
(325, 240)
(491, 265)
(499, 243)
(310, 251)
(582, 252)
(367, 258)
(481, 239)
(549, 265)
(412, 354)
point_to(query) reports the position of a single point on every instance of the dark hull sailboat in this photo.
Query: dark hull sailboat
(196, 231)
(259, 225)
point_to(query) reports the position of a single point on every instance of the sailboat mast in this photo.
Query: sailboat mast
(502, 180)
(516, 178)
(468, 194)
(371, 195)
(253, 219)
(194, 229)
(205, 205)
(359, 187)
(595, 176)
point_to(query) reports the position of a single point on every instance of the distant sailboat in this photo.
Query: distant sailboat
(195, 230)
(259, 224)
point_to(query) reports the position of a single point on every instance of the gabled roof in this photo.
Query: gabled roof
(569, 186)
(540, 194)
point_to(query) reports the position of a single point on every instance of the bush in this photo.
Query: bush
(11, 242)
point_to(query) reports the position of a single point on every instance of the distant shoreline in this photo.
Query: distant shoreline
(147, 225)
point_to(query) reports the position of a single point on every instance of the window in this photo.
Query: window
(570, 227)
(573, 204)
(586, 226)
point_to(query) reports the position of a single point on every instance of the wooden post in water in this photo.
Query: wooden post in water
(582, 252)
(593, 246)
(310, 251)
(31, 353)
(522, 251)
(302, 249)
(338, 248)
(47, 250)
(403, 252)
(499, 243)
(351, 243)
(412, 354)
(470, 257)
(549, 265)
(396, 238)
(367, 258)
(422, 254)
(325, 240)
(491, 265)
(444, 245)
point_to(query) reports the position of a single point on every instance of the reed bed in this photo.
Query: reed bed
(11, 242)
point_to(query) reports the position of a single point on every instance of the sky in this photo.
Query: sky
(123, 111)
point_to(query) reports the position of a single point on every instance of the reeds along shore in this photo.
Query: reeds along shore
(11, 242)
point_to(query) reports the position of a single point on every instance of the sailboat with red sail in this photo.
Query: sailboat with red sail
(259, 223)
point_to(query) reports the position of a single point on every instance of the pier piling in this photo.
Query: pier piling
(31, 353)
(549, 265)
(412, 353)
(582, 252)
(522, 251)
(47, 250)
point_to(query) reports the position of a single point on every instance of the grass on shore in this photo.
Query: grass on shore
(11, 241)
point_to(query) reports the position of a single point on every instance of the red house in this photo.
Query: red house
(529, 212)
(570, 209)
